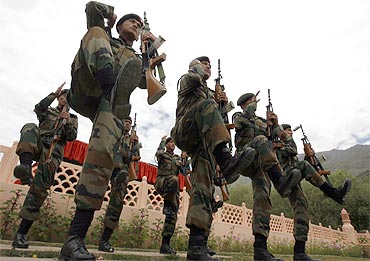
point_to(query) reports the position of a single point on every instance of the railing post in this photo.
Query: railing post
(143, 193)
(283, 223)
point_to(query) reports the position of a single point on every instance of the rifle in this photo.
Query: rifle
(269, 110)
(185, 170)
(150, 62)
(133, 148)
(311, 157)
(223, 184)
(224, 108)
(58, 127)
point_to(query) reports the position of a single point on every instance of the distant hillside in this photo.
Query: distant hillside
(354, 160)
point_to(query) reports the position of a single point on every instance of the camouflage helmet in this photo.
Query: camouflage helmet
(286, 126)
(128, 118)
(245, 97)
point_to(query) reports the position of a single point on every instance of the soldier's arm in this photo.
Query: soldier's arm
(71, 128)
(189, 83)
(41, 108)
(160, 149)
(290, 148)
(96, 12)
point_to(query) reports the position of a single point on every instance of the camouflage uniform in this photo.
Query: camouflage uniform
(119, 181)
(97, 52)
(37, 140)
(167, 185)
(287, 156)
(198, 129)
(251, 131)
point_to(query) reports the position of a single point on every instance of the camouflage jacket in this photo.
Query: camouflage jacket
(247, 126)
(192, 91)
(48, 120)
(168, 164)
(287, 154)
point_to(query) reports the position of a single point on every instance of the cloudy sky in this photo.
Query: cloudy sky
(314, 56)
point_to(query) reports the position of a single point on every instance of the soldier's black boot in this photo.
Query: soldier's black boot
(337, 194)
(231, 166)
(260, 250)
(74, 249)
(284, 183)
(24, 170)
(20, 241)
(165, 247)
(197, 249)
(215, 205)
(299, 252)
(104, 244)
(210, 251)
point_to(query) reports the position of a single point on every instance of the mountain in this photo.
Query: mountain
(354, 160)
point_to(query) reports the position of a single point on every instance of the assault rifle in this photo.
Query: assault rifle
(134, 147)
(269, 110)
(185, 170)
(58, 128)
(224, 108)
(150, 62)
(311, 157)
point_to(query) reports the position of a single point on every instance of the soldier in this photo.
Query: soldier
(167, 185)
(101, 62)
(251, 131)
(200, 131)
(119, 181)
(45, 144)
(287, 154)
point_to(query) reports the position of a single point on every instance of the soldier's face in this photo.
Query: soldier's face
(207, 69)
(289, 131)
(129, 29)
(127, 125)
(62, 99)
(170, 145)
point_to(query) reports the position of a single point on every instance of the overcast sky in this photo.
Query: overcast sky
(314, 56)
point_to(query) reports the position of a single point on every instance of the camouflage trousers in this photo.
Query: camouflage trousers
(264, 160)
(97, 168)
(299, 203)
(168, 187)
(198, 133)
(95, 55)
(309, 173)
(119, 182)
(30, 141)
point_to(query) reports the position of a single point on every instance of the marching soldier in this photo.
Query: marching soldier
(44, 144)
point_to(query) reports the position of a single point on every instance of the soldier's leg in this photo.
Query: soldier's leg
(28, 149)
(269, 163)
(310, 174)
(93, 181)
(92, 72)
(199, 217)
(37, 194)
(170, 209)
(261, 215)
(118, 192)
(204, 124)
(299, 204)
